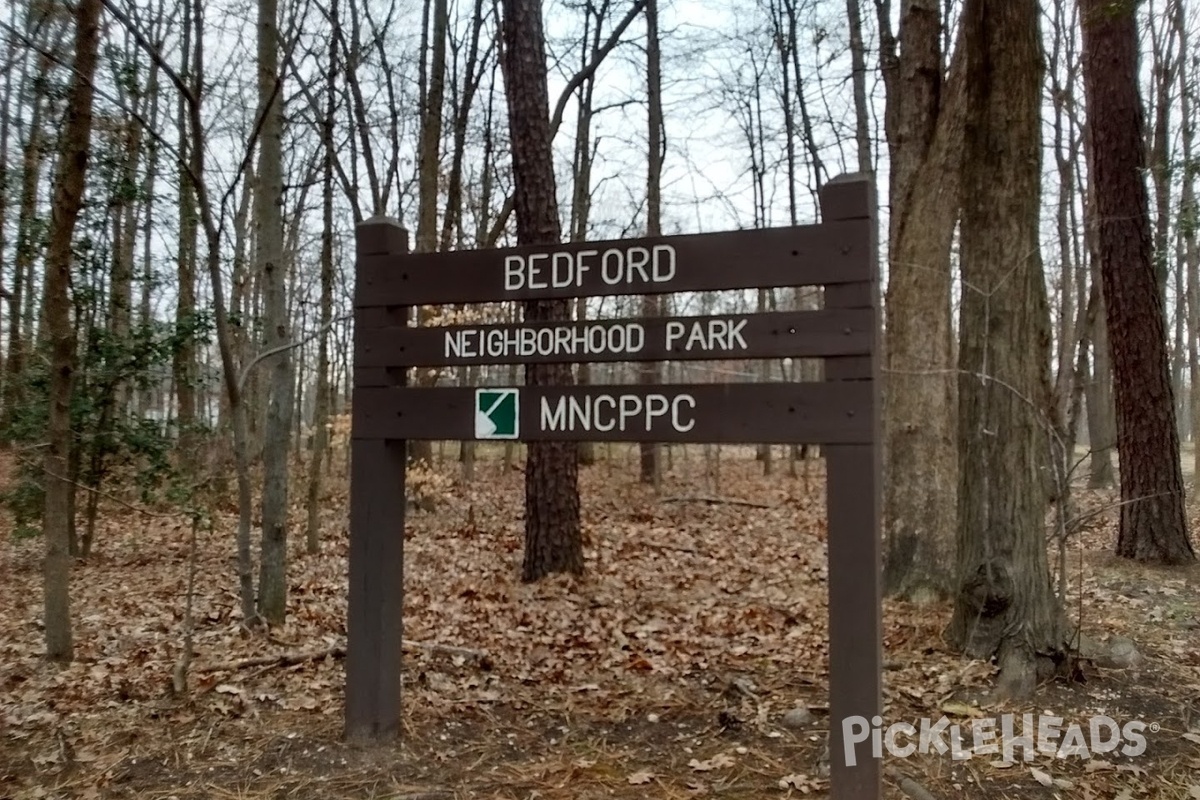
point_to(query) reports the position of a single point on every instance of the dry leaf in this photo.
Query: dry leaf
(640, 777)
(1041, 777)
(796, 781)
(961, 709)
(719, 761)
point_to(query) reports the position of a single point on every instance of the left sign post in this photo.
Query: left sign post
(374, 624)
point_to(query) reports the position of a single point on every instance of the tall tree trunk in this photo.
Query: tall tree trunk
(553, 537)
(26, 248)
(1005, 607)
(1101, 412)
(69, 185)
(924, 121)
(1188, 219)
(428, 178)
(1153, 524)
(581, 190)
(6, 116)
(272, 583)
(648, 372)
(184, 357)
(321, 405)
(858, 76)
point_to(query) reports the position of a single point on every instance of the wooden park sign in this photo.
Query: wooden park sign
(841, 412)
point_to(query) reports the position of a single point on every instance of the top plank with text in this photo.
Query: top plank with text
(807, 255)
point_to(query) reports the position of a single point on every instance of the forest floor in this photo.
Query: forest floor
(665, 672)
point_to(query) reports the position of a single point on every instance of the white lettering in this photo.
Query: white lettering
(554, 420)
(674, 331)
(566, 279)
(735, 333)
(581, 412)
(545, 341)
(614, 277)
(562, 269)
(534, 270)
(581, 267)
(631, 405)
(611, 403)
(514, 273)
(663, 272)
(676, 423)
(623, 412)
(636, 338)
(656, 406)
(639, 257)
(562, 340)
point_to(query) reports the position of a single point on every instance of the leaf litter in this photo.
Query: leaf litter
(697, 627)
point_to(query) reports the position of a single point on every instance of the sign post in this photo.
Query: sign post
(841, 412)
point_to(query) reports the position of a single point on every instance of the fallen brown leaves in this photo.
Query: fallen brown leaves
(665, 671)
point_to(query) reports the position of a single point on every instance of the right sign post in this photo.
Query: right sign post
(841, 413)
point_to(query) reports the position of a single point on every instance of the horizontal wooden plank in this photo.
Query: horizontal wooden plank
(806, 255)
(787, 413)
(795, 334)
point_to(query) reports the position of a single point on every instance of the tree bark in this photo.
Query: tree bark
(69, 183)
(183, 361)
(648, 372)
(1153, 524)
(858, 77)
(924, 129)
(272, 585)
(553, 537)
(321, 405)
(1005, 606)
(428, 178)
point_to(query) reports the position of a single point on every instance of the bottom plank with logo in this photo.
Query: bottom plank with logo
(785, 413)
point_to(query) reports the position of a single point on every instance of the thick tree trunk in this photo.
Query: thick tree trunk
(1005, 607)
(69, 185)
(553, 538)
(272, 584)
(1153, 523)
(925, 117)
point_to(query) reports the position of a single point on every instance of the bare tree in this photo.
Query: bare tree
(1005, 607)
(924, 125)
(1153, 523)
(648, 373)
(69, 182)
(553, 537)
(272, 588)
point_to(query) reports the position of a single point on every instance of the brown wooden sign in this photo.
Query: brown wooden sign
(841, 412)
(739, 413)
(806, 255)
(783, 334)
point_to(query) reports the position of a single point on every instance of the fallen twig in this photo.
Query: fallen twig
(714, 500)
(676, 548)
(480, 657)
(910, 787)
